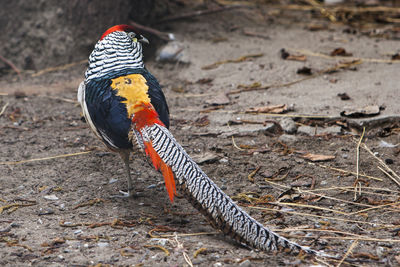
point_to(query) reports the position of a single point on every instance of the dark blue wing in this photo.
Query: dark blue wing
(109, 114)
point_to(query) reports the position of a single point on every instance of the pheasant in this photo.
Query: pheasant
(123, 102)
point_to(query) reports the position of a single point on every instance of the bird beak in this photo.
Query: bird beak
(144, 40)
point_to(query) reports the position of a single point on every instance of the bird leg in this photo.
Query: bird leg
(125, 158)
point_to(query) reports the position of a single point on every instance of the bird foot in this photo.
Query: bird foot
(128, 194)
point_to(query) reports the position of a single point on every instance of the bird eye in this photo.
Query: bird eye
(131, 35)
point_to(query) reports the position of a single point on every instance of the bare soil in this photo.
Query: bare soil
(60, 211)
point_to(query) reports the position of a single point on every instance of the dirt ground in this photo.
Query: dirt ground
(59, 210)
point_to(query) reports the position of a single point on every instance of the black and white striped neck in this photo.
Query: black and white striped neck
(115, 53)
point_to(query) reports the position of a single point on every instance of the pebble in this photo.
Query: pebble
(160, 241)
(77, 232)
(334, 130)
(224, 160)
(112, 180)
(288, 125)
(288, 139)
(103, 244)
(246, 263)
(51, 197)
(152, 186)
(307, 130)
(380, 251)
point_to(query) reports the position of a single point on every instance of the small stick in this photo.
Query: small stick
(358, 154)
(182, 235)
(304, 215)
(370, 60)
(357, 183)
(159, 247)
(322, 72)
(381, 162)
(60, 98)
(162, 35)
(198, 13)
(325, 12)
(9, 63)
(345, 171)
(255, 34)
(370, 239)
(233, 140)
(4, 109)
(390, 176)
(250, 177)
(63, 67)
(309, 206)
(46, 158)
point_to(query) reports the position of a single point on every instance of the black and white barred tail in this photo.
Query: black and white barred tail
(209, 199)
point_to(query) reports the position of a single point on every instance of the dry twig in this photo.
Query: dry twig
(9, 63)
(198, 13)
(4, 108)
(162, 35)
(349, 251)
(389, 170)
(369, 60)
(40, 159)
(356, 182)
(63, 67)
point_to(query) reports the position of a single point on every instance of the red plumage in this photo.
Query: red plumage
(147, 116)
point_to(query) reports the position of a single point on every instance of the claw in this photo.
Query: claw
(128, 194)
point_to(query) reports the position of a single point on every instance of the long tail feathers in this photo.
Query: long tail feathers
(165, 169)
(143, 118)
(205, 195)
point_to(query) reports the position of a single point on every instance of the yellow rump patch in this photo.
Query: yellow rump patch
(134, 89)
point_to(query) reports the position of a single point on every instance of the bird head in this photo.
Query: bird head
(118, 51)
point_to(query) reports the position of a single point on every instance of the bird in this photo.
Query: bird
(125, 107)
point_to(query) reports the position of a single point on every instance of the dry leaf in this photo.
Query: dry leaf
(361, 112)
(297, 57)
(219, 99)
(285, 55)
(316, 157)
(201, 122)
(276, 109)
(236, 60)
(340, 52)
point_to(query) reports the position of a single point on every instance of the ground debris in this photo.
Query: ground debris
(304, 71)
(219, 99)
(237, 60)
(340, 52)
(202, 121)
(14, 206)
(317, 157)
(367, 111)
(159, 247)
(89, 203)
(274, 109)
(287, 56)
(344, 96)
